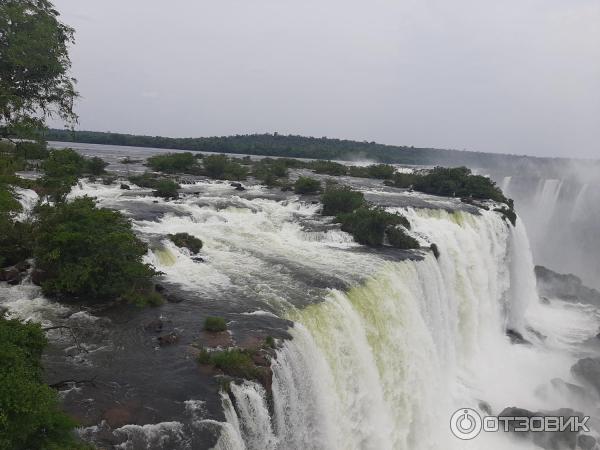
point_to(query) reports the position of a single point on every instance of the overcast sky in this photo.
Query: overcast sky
(511, 76)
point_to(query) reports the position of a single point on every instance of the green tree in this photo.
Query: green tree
(30, 415)
(34, 65)
(90, 253)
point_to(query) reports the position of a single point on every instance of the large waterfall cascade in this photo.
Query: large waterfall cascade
(382, 363)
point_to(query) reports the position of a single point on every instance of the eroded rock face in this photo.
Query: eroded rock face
(550, 440)
(516, 337)
(586, 442)
(567, 287)
(588, 370)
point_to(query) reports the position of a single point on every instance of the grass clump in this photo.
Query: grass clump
(234, 362)
(307, 185)
(192, 243)
(215, 324)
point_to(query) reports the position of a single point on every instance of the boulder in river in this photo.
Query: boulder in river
(588, 370)
(154, 326)
(516, 337)
(553, 440)
(168, 339)
(11, 275)
(586, 442)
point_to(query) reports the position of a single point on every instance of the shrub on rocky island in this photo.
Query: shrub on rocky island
(91, 253)
(398, 238)
(174, 163)
(192, 243)
(221, 167)
(368, 226)
(341, 199)
(307, 185)
(166, 189)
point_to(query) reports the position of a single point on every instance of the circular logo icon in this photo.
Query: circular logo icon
(466, 424)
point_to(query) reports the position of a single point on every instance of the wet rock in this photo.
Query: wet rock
(485, 407)
(118, 416)
(588, 370)
(537, 334)
(544, 301)
(516, 337)
(570, 390)
(172, 298)
(237, 186)
(11, 275)
(23, 266)
(554, 440)
(168, 339)
(125, 187)
(586, 442)
(436, 251)
(198, 259)
(219, 339)
(154, 326)
(567, 287)
(38, 276)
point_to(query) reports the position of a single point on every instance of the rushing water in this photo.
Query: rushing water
(376, 349)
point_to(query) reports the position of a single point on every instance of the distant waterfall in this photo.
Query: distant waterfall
(383, 365)
(505, 185)
(548, 198)
(579, 202)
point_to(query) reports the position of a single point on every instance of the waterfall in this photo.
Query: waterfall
(384, 365)
(579, 202)
(505, 184)
(547, 199)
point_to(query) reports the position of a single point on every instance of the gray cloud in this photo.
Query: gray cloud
(515, 76)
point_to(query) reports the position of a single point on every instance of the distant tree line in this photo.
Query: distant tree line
(291, 146)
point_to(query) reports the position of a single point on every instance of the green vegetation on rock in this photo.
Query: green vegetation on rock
(234, 362)
(192, 243)
(174, 163)
(340, 199)
(307, 185)
(166, 189)
(30, 414)
(379, 171)
(368, 226)
(215, 324)
(90, 253)
(221, 167)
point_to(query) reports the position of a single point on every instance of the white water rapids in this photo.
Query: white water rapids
(384, 364)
